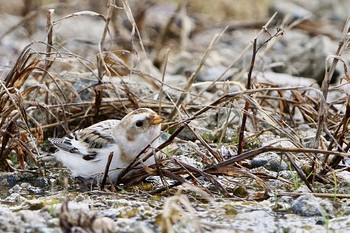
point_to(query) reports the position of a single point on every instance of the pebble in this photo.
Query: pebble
(143, 227)
(16, 189)
(8, 179)
(271, 161)
(308, 205)
(213, 73)
(31, 217)
(290, 8)
(104, 225)
(10, 221)
(15, 198)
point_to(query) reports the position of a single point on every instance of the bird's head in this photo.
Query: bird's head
(138, 129)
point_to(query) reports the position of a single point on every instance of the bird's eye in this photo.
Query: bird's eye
(139, 123)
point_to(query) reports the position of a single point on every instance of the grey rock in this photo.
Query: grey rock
(213, 73)
(285, 79)
(287, 174)
(307, 134)
(8, 179)
(308, 205)
(80, 83)
(182, 61)
(104, 225)
(32, 217)
(343, 179)
(10, 222)
(143, 227)
(15, 198)
(270, 161)
(15, 189)
(75, 208)
(35, 190)
(259, 217)
(110, 213)
(289, 8)
(199, 126)
(313, 8)
(345, 208)
(41, 182)
(304, 57)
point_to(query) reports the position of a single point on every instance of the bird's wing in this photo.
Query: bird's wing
(86, 142)
(105, 126)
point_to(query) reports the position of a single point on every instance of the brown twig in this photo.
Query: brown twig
(193, 76)
(299, 171)
(101, 65)
(253, 153)
(323, 110)
(162, 35)
(246, 106)
(160, 147)
(214, 153)
(344, 125)
(344, 42)
(322, 195)
(244, 51)
(105, 175)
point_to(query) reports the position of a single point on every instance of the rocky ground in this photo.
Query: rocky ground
(190, 62)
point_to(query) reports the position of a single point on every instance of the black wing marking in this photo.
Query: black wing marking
(94, 138)
(64, 144)
(86, 141)
(90, 156)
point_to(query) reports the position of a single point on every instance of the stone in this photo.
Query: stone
(271, 161)
(308, 205)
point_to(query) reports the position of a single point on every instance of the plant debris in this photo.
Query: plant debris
(230, 91)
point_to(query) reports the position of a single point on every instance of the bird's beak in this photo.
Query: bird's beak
(156, 119)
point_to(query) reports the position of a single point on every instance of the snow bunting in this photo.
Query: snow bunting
(85, 152)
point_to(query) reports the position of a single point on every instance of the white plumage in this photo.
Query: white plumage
(85, 152)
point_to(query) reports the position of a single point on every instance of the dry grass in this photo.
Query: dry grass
(36, 102)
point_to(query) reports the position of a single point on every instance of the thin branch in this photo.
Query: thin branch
(105, 175)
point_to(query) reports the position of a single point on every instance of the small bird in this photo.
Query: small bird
(85, 152)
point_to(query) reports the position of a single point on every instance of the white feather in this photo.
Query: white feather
(85, 152)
